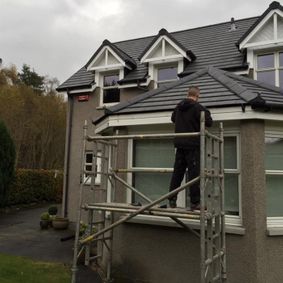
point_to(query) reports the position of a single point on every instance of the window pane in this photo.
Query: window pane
(88, 158)
(153, 185)
(230, 153)
(273, 153)
(265, 61)
(111, 95)
(88, 168)
(231, 194)
(165, 74)
(110, 80)
(281, 59)
(274, 186)
(266, 77)
(281, 78)
(154, 153)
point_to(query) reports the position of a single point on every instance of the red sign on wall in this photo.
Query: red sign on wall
(83, 98)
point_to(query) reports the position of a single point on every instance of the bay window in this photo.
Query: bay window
(274, 175)
(269, 68)
(160, 154)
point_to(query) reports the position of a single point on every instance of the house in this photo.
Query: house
(133, 86)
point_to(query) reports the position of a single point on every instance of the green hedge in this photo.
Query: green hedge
(38, 186)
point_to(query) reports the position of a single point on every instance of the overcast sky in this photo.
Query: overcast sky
(57, 37)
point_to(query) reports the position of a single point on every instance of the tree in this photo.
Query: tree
(31, 78)
(7, 162)
(9, 76)
(36, 122)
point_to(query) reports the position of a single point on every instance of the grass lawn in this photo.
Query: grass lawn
(14, 269)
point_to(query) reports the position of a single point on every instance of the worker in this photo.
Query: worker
(186, 117)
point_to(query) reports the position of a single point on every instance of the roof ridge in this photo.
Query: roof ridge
(257, 83)
(182, 30)
(231, 84)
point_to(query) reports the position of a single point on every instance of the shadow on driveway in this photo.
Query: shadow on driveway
(21, 235)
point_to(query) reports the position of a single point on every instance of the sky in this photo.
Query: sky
(57, 37)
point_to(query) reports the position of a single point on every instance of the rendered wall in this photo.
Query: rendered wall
(154, 254)
(87, 110)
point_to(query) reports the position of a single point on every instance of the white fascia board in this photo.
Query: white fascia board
(134, 85)
(92, 88)
(245, 44)
(182, 52)
(218, 114)
(96, 58)
(256, 29)
(142, 60)
(264, 44)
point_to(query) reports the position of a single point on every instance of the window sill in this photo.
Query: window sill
(194, 224)
(104, 106)
(272, 231)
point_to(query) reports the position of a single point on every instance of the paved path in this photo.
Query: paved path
(21, 235)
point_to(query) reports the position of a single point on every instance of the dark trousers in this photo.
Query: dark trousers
(186, 159)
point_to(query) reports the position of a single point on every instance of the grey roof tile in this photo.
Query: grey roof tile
(218, 89)
(212, 45)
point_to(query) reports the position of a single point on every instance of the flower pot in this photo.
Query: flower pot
(44, 224)
(60, 223)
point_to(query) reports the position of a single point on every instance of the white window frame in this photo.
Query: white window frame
(153, 69)
(165, 66)
(236, 220)
(99, 77)
(274, 221)
(231, 220)
(97, 180)
(276, 67)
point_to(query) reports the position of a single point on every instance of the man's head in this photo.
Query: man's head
(194, 93)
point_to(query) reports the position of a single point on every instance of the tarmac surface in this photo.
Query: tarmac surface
(20, 235)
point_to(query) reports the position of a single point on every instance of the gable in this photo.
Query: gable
(267, 30)
(163, 48)
(106, 58)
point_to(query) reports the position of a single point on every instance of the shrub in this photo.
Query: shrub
(7, 162)
(36, 186)
(52, 210)
(45, 216)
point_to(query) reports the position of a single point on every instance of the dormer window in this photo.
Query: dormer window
(269, 68)
(109, 64)
(166, 74)
(111, 92)
(165, 57)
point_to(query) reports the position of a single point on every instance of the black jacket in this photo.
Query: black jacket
(186, 117)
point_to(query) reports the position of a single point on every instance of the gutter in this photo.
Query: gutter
(67, 154)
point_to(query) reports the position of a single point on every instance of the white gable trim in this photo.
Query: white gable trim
(106, 66)
(218, 114)
(274, 14)
(162, 40)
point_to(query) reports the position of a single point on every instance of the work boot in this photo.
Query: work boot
(172, 203)
(195, 206)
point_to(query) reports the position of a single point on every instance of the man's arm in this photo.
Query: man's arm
(173, 116)
(208, 118)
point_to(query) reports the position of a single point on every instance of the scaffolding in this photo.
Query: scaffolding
(211, 216)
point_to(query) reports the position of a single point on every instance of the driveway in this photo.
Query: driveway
(21, 235)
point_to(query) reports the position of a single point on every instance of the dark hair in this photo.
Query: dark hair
(193, 91)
